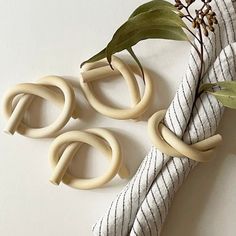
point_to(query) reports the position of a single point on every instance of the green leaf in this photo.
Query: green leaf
(152, 20)
(154, 5)
(162, 24)
(225, 92)
(130, 50)
(97, 57)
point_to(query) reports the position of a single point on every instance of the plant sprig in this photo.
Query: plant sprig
(204, 22)
(160, 19)
(154, 19)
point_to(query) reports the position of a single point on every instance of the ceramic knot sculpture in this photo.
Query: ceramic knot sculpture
(64, 148)
(94, 71)
(28, 92)
(167, 142)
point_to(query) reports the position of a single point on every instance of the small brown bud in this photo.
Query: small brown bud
(215, 21)
(199, 20)
(211, 28)
(212, 13)
(205, 32)
(210, 21)
(208, 7)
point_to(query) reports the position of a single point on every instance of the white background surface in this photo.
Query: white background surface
(39, 38)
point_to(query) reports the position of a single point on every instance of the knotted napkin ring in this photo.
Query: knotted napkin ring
(42, 88)
(93, 72)
(167, 142)
(64, 148)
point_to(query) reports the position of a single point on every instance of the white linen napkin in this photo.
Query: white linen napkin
(142, 206)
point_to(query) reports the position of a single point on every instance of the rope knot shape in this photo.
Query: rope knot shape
(64, 148)
(28, 92)
(94, 71)
(167, 142)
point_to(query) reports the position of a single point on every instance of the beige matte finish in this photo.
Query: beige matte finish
(100, 139)
(41, 89)
(92, 71)
(168, 143)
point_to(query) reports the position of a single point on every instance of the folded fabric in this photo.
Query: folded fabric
(142, 206)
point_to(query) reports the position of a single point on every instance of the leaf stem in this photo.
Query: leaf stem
(188, 18)
(187, 10)
(193, 35)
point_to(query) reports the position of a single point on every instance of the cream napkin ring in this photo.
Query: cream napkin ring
(168, 143)
(64, 148)
(93, 72)
(42, 88)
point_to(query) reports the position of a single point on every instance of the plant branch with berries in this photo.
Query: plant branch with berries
(203, 20)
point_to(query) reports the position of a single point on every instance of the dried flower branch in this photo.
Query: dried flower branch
(203, 21)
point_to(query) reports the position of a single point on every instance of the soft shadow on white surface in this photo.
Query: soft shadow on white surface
(207, 198)
(132, 151)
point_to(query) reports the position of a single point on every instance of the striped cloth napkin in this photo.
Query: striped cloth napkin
(142, 206)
